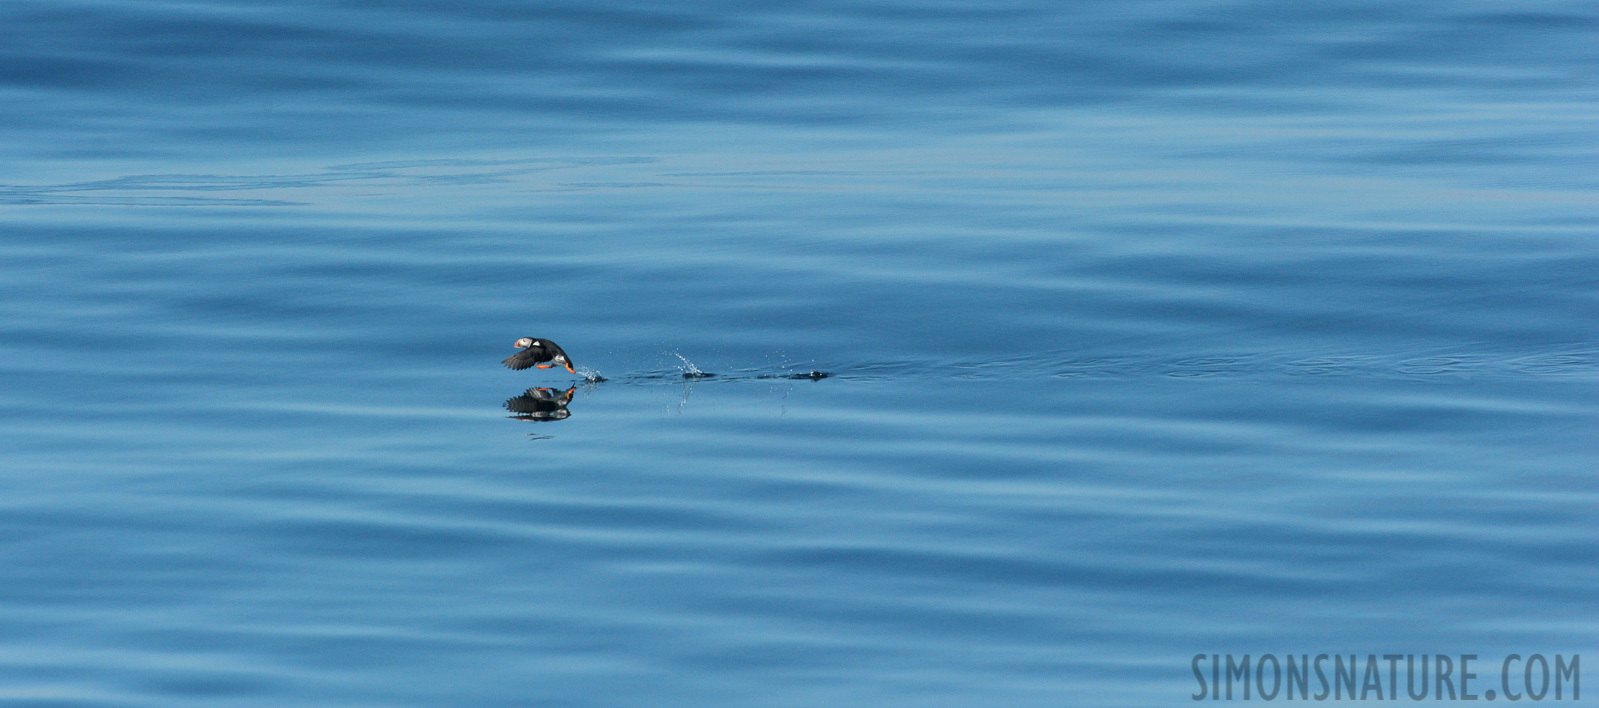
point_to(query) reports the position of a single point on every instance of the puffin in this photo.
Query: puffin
(542, 353)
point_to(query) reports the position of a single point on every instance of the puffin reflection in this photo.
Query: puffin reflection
(541, 404)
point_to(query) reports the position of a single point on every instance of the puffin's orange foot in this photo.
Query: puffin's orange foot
(542, 366)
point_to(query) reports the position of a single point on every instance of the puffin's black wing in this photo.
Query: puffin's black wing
(527, 357)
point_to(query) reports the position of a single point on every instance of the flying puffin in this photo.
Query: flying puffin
(542, 353)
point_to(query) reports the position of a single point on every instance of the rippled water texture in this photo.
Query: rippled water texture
(1138, 330)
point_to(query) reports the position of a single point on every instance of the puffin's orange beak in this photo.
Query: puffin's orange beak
(569, 368)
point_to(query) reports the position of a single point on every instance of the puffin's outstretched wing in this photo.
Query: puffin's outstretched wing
(533, 354)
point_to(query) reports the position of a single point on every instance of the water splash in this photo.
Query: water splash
(689, 370)
(688, 367)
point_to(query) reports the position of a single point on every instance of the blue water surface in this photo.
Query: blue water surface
(1148, 330)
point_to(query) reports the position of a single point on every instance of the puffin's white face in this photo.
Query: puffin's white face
(524, 343)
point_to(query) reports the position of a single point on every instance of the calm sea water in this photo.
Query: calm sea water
(1150, 329)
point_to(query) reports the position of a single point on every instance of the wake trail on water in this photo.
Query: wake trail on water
(1570, 361)
(687, 371)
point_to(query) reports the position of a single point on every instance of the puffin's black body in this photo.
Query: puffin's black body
(542, 353)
